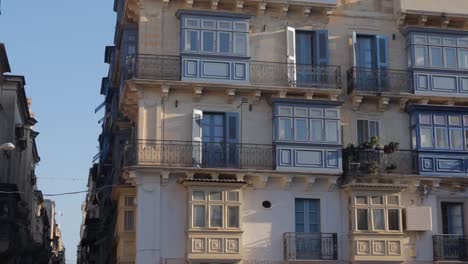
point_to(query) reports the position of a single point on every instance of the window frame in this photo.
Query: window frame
(127, 207)
(225, 203)
(370, 207)
(379, 127)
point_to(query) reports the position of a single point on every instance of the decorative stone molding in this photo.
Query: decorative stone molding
(401, 21)
(422, 20)
(402, 102)
(239, 5)
(286, 182)
(282, 94)
(309, 181)
(257, 94)
(306, 11)
(189, 3)
(214, 4)
(262, 181)
(164, 178)
(165, 90)
(445, 22)
(197, 92)
(284, 10)
(328, 11)
(310, 95)
(383, 103)
(231, 95)
(356, 101)
(261, 8)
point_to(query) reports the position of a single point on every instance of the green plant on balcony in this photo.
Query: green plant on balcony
(373, 167)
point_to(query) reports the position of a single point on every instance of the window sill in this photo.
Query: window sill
(378, 233)
(214, 55)
(214, 230)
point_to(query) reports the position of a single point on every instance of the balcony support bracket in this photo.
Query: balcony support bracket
(306, 11)
(403, 102)
(331, 183)
(309, 95)
(309, 181)
(422, 20)
(356, 100)
(214, 4)
(239, 5)
(333, 97)
(284, 10)
(262, 181)
(383, 103)
(256, 96)
(401, 20)
(189, 3)
(261, 8)
(231, 95)
(286, 182)
(197, 92)
(165, 90)
(164, 178)
(445, 22)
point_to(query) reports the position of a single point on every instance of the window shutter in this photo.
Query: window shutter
(291, 54)
(197, 137)
(382, 51)
(354, 39)
(321, 47)
(232, 139)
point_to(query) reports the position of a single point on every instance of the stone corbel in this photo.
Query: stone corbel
(306, 11)
(256, 96)
(214, 4)
(164, 178)
(214, 175)
(466, 24)
(309, 181)
(331, 183)
(165, 90)
(309, 95)
(284, 10)
(450, 103)
(240, 176)
(189, 3)
(239, 5)
(286, 182)
(189, 174)
(435, 184)
(401, 20)
(197, 92)
(414, 185)
(356, 100)
(333, 97)
(327, 11)
(262, 181)
(403, 102)
(231, 95)
(282, 94)
(383, 103)
(261, 8)
(445, 22)
(423, 101)
(165, 2)
(422, 20)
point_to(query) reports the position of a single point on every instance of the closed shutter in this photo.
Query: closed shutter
(382, 52)
(233, 147)
(291, 54)
(354, 40)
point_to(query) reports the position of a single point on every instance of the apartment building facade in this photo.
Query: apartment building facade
(288, 131)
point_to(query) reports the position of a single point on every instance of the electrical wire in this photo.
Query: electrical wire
(65, 193)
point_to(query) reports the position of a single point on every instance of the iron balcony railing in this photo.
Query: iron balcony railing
(310, 246)
(378, 80)
(163, 67)
(201, 155)
(368, 162)
(450, 248)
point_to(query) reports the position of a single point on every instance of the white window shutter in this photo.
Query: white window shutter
(197, 137)
(291, 54)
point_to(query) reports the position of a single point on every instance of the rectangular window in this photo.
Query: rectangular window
(450, 57)
(331, 131)
(191, 40)
(426, 137)
(435, 56)
(301, 129)
(441, 137)
(285, 128)
(307, 214)
(366, 129)
(378, 219)
(233, 216)
(466, 139)
(362, 220)
(463, 58)
(420, 56)
(199, 216)
(129, 201)
(316, 130)
(224, 42)
(456, 138)
(233, 196)
(452, 218)
(129, 220)
(240, 43)
(393, 220)
(216, 216)
(208, 41)
(216, 196)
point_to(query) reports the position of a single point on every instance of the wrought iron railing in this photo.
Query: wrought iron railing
(377, 80)
(450, 248)
(310, 246)
(198, 154)
(368, 162)
(163, 67)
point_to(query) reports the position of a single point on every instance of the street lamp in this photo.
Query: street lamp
(7, 146)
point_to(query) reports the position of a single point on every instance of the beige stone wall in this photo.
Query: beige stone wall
(435, 6)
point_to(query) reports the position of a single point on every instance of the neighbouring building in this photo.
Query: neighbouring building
(24, 222)
(328, 131)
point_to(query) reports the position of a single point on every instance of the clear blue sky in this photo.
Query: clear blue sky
(58, 45)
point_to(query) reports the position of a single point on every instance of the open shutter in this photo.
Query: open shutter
(232, 133)
(354, 49)
(382, 52)
(291, 54)
(321, 47)
(197, 137)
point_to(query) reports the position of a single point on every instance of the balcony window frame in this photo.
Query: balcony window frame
(208, 203)
(369, 206)
(368, 128)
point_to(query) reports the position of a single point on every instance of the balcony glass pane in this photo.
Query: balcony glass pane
(240, 43)
(233, 216)
(316, 130)
(216, 196)
(435, 54)
(440, 120)
(361, 199)
(425, 119)
(224, 42)
(450, 55)
(129, 220)
(285, 128)
(378, 219)
(441, 137)
(208, 41)
(191, 40)
(198, 216)
(455, 120)
(301, 129)
(377, 200)
(420, 56)
(362, 219)
(198, 196)
(394, 219)
(463, 58)
(456, 139)
(331, 131)
(393, 200)
(216, 216)
(466, 139)
(233, 196)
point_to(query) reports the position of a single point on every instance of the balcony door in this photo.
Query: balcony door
(308, 238)
(453, 246)
(218, 145)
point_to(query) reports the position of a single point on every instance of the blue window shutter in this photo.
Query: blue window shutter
(321, 47)
(382, 51)
(232, 139)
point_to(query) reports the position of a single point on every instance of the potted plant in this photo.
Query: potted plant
(390, 168)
